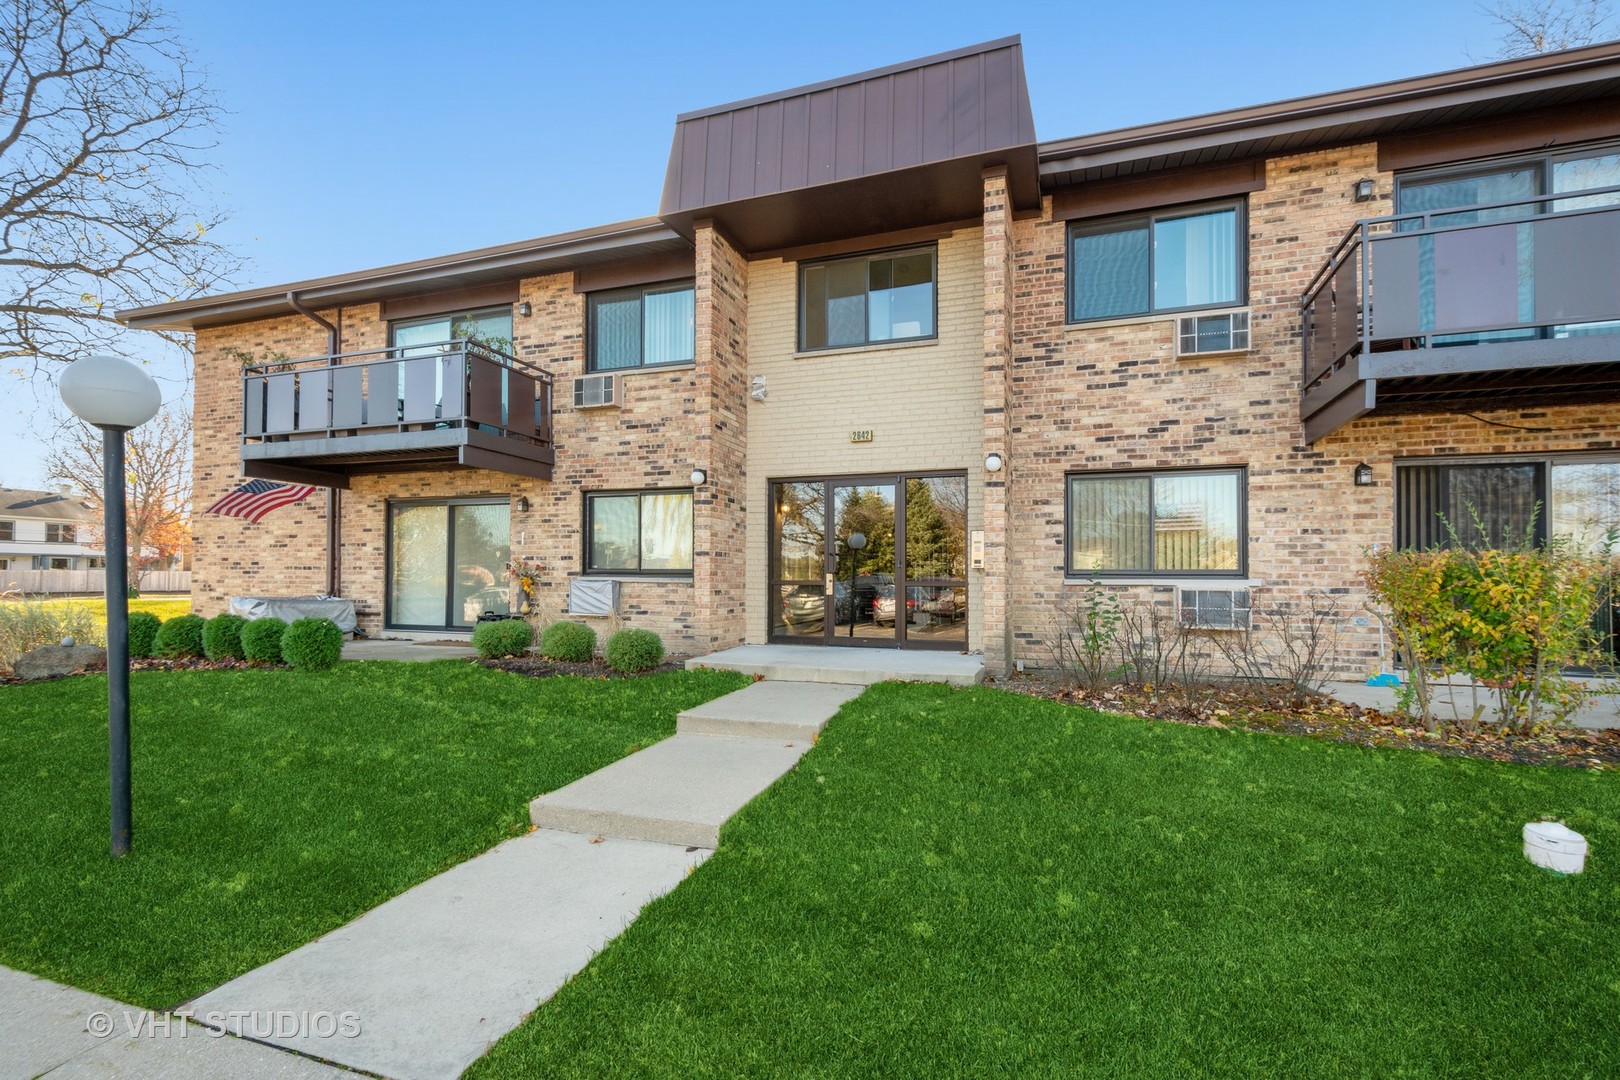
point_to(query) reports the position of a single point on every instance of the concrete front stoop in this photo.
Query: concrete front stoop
(852, 666)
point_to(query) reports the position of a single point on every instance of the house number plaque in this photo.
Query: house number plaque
(863, 435)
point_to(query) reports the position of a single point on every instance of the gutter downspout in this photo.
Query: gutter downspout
(334, 498)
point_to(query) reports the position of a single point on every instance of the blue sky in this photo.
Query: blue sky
(361, 134)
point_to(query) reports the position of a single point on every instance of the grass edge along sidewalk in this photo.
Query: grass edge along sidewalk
(273, 806)
(972, 882)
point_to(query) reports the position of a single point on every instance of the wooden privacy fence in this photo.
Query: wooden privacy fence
(69, 582)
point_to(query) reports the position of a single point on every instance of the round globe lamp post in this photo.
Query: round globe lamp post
(115, 396)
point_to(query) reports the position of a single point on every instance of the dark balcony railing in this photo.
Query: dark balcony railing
(418, 401)
(1434, 288)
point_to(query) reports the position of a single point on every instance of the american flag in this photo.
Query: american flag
(257, 498)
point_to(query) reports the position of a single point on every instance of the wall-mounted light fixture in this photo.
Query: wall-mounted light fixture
(992, 463)
(1363, 475)
(522, 504)
(1365, 190)
(525, 308)
(699, 478)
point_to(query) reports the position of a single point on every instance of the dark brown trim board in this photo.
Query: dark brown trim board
(1122, 195)
(450, 300)
(1538, 130)
(669, 266)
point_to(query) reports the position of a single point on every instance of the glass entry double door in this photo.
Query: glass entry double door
(870, 561)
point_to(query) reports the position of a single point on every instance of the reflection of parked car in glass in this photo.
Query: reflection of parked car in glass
(883, 606)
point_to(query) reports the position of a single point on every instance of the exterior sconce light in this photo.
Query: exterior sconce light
(525, 309)
(699, 478)
(1364, 475)
(1364, 190)
(992, 463)
(523, 504)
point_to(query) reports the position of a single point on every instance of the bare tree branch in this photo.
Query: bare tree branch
(1532, 27)
(157, 460)
(104, 127)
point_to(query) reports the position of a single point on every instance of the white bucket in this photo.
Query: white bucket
(1556, 846)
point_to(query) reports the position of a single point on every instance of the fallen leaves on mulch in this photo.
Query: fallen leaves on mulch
(538, 667)
(1281, 709)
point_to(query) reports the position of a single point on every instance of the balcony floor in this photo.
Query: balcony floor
(329, 461)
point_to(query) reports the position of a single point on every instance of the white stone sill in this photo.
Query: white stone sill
(876, 346)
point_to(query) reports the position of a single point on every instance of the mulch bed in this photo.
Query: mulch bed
(538, 667)
(1280, 709)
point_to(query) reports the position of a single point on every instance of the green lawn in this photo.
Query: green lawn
(164, 606)
(967, 883)
(273, 806)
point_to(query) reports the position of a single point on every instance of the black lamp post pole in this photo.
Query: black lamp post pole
(117, 635)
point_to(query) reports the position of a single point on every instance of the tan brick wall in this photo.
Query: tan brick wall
(720, 445)
(921, 401)
(996, 420)
(648, 442)
(1114, 396)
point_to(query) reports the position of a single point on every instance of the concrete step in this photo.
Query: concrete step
(769, 710)
(830, 664)
(679, 791)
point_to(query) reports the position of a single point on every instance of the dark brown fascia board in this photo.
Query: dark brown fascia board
(849, 80)
(417, 275)
(1462, 86)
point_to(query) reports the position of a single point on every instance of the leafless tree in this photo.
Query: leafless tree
(104, 128)
(157, 459)
(1532, 27)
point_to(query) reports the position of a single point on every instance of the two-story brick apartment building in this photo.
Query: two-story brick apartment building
(888, 371)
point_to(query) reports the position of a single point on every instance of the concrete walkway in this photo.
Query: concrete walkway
(50, 1029)
(442, 971)
(838, 664)
(1599, 713)
(400, 649)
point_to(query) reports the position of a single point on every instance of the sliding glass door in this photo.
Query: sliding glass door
(447, 563)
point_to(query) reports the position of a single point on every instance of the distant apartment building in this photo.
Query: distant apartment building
(46, 530)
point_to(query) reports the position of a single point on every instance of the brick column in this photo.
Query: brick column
(994, 589)
(721, 409)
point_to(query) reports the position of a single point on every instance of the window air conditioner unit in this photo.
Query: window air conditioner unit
(596, 391)
(1214, 608)
(593, 596)
(1197, 335)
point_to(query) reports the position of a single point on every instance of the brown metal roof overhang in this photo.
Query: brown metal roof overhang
(581, 249)
(890, 149)
(1468, 96)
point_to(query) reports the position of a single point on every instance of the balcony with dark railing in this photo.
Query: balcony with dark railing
(1507, 305)
(455, 404)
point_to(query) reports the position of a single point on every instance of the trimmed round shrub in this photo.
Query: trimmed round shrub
(222, 637)
(312, 644)
(261, 640)
(568, 641)
(633, 651)
(180, 637)
(143, 631)
(506, 637)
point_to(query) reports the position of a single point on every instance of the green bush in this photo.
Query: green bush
(27, 622)
(568, 641)
(143, 631)
(179, 638)
(222, 637)
(1512, 619)
(261, 640)
(632, 651)
(312, 644)
(507, 637)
